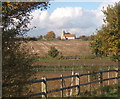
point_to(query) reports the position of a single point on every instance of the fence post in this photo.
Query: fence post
(116, 75)
(44, 87)
(71, 91)
(77, 83)
(89, 81)
(108, 76)
(101, 82)
(62, 82)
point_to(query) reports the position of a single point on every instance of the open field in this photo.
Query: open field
(50, 68)
(79, 51)
(66, 48)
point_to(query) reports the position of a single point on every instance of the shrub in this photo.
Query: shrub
(53, 52)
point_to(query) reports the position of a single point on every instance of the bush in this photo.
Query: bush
(53, 52)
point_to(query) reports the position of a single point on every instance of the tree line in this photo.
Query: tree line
(51, 36)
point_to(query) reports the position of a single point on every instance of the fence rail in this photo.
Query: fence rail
(77, 76)
(44, 81)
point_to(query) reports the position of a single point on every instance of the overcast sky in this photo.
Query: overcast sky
(79, 18)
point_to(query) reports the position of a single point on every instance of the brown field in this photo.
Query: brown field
(67, 48)
(80, 49)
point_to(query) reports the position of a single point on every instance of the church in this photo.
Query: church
(65, 36)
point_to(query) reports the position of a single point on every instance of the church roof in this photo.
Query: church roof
(69, 35)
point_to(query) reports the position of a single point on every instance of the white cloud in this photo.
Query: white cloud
(73, 19)
(105, 4)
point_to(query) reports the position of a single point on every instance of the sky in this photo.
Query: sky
(79, 18)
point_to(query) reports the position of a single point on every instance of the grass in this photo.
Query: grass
(110, 91)
(69, 68)
(54, 64)
(55, 59)
(63, 64)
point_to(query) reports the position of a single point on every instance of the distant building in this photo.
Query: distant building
(65, 36)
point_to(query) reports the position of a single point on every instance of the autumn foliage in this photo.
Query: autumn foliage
(16, 63)
(50, 35)
(107, 39)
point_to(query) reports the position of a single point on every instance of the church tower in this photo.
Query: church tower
(62, 34)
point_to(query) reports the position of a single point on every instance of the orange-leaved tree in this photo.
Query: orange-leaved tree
(50, 35)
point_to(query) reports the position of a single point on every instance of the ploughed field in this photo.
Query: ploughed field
(66, 48)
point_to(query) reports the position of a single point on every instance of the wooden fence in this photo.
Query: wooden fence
(78, 84)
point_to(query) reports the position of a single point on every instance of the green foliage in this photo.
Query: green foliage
(16, 61)
(16, 69)
(50, 35)
(53, 52)
(28, 38)
(110, 91)
(83, 37)
(86, 38)
(59, 38)
(107, 40)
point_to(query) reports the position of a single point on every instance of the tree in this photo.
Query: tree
(91, 37)
(50, 35)
(58, 38)
(53, 52)
(107, 40)
(28, 38)
(83, 37)
(40, 37)
(15, 61)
